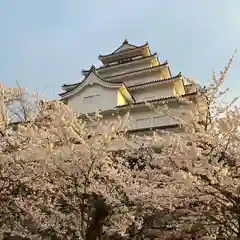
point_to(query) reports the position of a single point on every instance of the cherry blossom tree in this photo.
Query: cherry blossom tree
(209, 153)
(59, 178)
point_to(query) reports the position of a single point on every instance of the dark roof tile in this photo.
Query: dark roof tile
(157, 100)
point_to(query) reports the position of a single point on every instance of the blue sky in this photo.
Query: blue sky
(46, 43)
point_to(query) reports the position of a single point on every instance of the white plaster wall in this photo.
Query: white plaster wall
(149, 118)
(154, 120)
(145, 118)
(124, 68)
(107, 99)
(164, 90)
(139, 79)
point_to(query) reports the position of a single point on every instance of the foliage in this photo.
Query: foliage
(209, 155)
(60, 179)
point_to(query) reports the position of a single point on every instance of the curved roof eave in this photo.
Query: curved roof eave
(156, 82)
(114, 53)
(157, 100)
(78, 87)
(140, 70)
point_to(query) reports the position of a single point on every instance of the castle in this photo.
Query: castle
(129, 77)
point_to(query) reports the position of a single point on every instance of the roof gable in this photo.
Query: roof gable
(90, 79)
(124, 47)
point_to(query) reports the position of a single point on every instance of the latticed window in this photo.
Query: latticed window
(91, 99)
(143, 122)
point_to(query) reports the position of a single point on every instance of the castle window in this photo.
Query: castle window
(143, 122)
(91, 99)
(149, 98)
(125, 60)
(137, 57)
(158, 121)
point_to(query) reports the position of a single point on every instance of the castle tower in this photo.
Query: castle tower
(129, 77)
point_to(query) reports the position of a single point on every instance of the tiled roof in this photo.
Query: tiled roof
(92, 68)
(74, 86)
(114, 52)
(69, 85)
(110, 66)
(155, 82)
(140, 70)
(157, 100)
(164, 127)
(133, 60)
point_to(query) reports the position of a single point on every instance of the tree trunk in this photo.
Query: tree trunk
(101, 212)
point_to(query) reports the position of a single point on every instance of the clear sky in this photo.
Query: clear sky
(46, 43)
